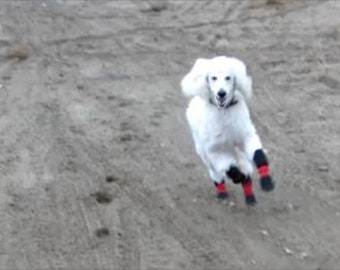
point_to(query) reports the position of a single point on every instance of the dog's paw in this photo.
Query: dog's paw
(222, 195)
(251, 200)
(267, 183)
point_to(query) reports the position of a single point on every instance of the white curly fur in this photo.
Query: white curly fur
(195, 82)
(224, 135)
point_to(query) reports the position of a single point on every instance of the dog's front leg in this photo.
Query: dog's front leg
(255, 153)
(262, 164)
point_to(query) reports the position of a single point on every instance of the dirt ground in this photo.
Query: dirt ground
(97, 164)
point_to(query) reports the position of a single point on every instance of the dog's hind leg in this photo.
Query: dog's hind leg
(218, 180)
(221, 190)
(238, 177)
(220, 161)
(243, 162)
(247, 187)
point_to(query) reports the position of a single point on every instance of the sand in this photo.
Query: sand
(98, 168)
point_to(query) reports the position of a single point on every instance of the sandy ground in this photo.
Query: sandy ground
(98, 169)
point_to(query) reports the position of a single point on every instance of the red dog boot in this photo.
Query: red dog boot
(265, 178)
(237, 176)
(221, 190)
(262, 165)
(249, 196)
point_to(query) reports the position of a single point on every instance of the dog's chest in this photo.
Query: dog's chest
(222, 128)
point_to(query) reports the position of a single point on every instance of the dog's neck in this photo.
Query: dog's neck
(232, 102)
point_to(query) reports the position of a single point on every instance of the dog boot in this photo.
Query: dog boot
(266, 181)
(238, 177)
(262, 165)
(221, 190)
(248, 192)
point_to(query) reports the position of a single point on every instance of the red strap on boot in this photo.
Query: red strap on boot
(263, 171)
(247, 188)
(221, 188)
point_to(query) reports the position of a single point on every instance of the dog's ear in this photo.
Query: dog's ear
(195, 82)
(243, 82)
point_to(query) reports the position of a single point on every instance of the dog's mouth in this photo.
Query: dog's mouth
(221, 102)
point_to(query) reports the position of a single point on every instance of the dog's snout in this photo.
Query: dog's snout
(221, 93)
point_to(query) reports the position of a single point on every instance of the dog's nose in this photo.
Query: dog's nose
(221, 93)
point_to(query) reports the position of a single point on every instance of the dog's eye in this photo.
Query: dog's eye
(214, 78)
(227, 78)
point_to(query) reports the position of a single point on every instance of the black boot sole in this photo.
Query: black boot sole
(267, 183)
(251, 200)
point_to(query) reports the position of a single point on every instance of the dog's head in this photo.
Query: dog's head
(217, 79)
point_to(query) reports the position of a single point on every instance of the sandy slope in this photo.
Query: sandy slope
(90, 89)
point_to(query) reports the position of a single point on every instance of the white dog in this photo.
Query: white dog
(225, 137)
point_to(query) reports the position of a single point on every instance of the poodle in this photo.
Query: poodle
(224, 135)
